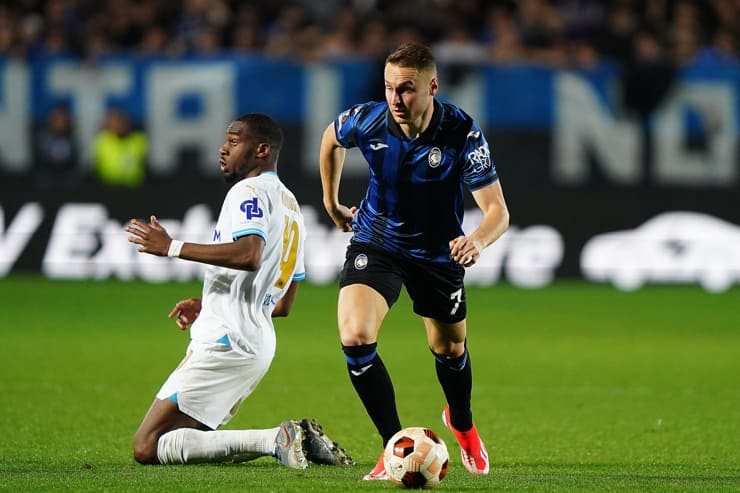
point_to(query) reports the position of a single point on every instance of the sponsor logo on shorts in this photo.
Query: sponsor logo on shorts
(360, 261)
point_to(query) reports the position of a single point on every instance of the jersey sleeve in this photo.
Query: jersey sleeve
(347, 124)
(299, 274)
(249, 210)
(300, 266)
(478, 167)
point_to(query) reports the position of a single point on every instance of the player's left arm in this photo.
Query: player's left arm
(244, 253)
(490, 199)
(284, 304)
(186, 311)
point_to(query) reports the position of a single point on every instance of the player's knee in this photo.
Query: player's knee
(145, 449)
(355, 336)
(354, 331)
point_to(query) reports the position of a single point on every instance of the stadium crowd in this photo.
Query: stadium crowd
(558, 33)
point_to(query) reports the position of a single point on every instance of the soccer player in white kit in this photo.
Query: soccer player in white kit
(254, 263)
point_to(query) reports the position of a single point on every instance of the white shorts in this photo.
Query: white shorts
(213, 380)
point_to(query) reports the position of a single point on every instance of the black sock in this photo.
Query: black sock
(456, 377)
(373, 384)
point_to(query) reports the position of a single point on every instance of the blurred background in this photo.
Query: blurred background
(613, 126)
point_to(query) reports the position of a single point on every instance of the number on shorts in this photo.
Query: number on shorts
(457, 296)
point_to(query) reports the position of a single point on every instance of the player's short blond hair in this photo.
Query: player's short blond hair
(413, 55)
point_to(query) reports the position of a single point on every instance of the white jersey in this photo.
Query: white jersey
(237, 304)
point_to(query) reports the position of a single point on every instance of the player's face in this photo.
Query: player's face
(409, 93)
(237, 154)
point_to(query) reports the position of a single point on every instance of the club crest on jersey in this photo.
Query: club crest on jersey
(435, 157)
(251, 208)
(360, 261)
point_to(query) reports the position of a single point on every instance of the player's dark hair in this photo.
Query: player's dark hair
(412, 55)
(264, 128)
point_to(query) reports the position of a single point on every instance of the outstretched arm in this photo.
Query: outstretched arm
(331, 161)
(243, 254)
(466, 249)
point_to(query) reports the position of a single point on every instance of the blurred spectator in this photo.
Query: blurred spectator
(119, 154)
(614, 39)
(722, 49)
(685, 44)
(372, 43)
(686, 31)
(153, 42)
(55, 42)
(648, 74)
(458, 54)
(339, 41)
(505, 43)
(200, 24)
(246, 35)
(542, 32)
(54, 151)
(282, 38)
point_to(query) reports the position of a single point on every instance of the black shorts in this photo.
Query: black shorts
(437, 290)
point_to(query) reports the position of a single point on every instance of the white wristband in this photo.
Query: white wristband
(175, 247)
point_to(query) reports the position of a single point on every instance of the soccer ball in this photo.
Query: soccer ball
(416, 458)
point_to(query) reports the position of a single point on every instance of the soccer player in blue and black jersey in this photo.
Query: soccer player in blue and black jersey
(407, 231)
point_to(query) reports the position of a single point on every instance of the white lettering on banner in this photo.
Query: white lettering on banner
(74, 240)
(15, 117)
(583, 125)
(672, 247)
(166, 85)
(19, 232)
(89, 88)
(675, 165)
(86, 244)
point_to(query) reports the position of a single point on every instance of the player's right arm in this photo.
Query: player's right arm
(331, 161)
(244, 253)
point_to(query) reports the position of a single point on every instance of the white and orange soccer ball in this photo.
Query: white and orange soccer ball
(416, 458)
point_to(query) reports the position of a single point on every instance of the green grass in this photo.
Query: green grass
(578, 387)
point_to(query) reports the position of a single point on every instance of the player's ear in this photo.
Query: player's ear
(263, 149)
(433, 86)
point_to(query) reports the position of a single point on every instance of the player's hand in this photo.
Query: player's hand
(342, 216)
(151, 238)
(465, 251)
(186, 311)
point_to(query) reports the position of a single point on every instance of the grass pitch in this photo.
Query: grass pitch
(578, 387)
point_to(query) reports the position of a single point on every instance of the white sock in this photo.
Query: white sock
(191, 446)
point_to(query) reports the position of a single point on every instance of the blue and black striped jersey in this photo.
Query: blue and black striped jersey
(414, 203)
